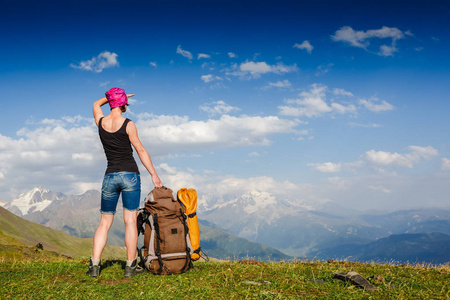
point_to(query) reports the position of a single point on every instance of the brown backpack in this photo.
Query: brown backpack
(167, 248)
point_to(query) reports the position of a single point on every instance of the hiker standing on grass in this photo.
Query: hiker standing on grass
(117, 134)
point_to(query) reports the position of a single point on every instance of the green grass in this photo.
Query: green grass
(66, 279)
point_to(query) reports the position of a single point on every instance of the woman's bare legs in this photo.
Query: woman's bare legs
(131, 234)
(101, 235)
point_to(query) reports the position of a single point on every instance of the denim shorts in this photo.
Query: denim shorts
(127, 183)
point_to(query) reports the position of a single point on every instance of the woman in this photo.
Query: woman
(117, 134)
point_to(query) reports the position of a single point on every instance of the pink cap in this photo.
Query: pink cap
(116, 97)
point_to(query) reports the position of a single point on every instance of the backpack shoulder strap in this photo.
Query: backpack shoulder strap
(158, 243)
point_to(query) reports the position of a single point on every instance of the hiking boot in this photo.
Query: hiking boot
(93, 271)
(134, 269)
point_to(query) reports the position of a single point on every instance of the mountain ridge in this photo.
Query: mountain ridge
(78, 215)
(295, 229)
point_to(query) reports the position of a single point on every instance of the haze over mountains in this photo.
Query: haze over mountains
(296, 230)
(303, 231)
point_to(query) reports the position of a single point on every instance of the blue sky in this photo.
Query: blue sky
(339, 101)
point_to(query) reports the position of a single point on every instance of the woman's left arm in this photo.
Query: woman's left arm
(98, 113)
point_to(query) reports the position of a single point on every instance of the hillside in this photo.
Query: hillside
(15, 230)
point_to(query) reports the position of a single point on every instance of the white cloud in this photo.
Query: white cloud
(178, 134)
(82, 156)
(327, 167)
(342, 92)
(209, 65)
(251, 69)
(232, 55)
(372, 106)
(153, 64)
(281, 68)
(324, 69)
(66, 154)
(56, 155)
(342, 109)
(381, 159)
(305, 45)
(184, 53)
(234, 186)
(380, 189)
(176, 179)
(201, 55)
(313, 104)
(408, 160)
(281, 84)
(102, 61)
(365, 125)
(208, 78)
(445, 164)
(219, 108)
(384, 159)
(372, 187)
(360, 39)
(220, 191)
(384, 191)
(386, 50)
(424, 152)
(254, 154)
(255, 67)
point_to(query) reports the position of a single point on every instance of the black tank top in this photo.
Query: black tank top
(118, 149)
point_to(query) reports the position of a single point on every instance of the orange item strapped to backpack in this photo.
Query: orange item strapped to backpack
(189, 198)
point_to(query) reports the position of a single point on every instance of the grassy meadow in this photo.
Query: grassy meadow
(59, 277)
(58, 272)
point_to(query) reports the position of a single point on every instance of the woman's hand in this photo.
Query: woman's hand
(130, 95)
(156, 181)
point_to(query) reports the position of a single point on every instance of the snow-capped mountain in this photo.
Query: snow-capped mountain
(242, 215)
(35, 200)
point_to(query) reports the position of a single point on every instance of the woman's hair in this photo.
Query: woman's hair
(123, 108)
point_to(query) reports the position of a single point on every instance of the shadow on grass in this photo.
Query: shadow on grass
(110, 262)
